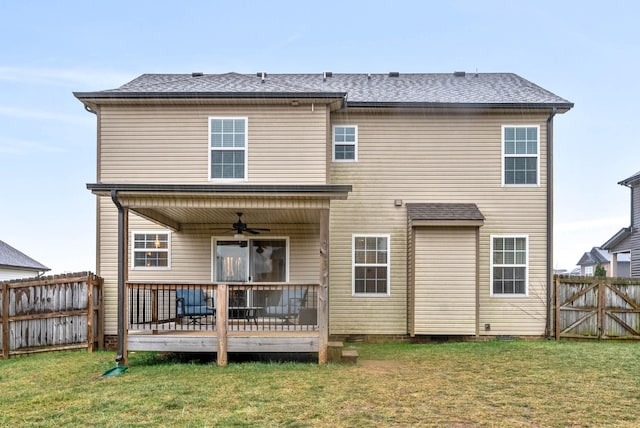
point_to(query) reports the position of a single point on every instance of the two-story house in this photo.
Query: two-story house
(626, 242)
(298, 207)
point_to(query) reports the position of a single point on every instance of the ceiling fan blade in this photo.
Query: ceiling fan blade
(252, 231)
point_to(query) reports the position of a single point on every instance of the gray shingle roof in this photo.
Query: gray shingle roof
(444, 211)
(598, 255)
(9, 256)
(492, 89)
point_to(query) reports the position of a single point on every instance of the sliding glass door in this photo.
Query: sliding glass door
(250, 260)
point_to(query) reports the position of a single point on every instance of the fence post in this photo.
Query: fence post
(601, 302)
(558, 303)
(5, 321)
(221, 323)
(90, 333)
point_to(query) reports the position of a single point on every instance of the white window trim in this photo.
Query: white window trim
(168, 250)
(504, 155)
(333, 143)
(353, 264)
(588, 271)
(246, 149)
(215, 239)
(526, 269)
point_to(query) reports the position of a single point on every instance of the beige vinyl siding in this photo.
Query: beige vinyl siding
(434, 158)
(445, 280)
(170, 144)
(191, 254)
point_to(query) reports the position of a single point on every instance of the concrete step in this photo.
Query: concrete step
(334, 352)
(349, 356)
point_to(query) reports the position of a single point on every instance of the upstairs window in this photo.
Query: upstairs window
(345, 143)
(151, 250)
(521, 155)
(509, 257)
(228, 148)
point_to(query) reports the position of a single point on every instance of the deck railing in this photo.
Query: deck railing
(250, 307)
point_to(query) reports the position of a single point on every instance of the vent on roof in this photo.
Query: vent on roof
(394, 74)
(326, 74)
(197, 74)
(262, 75)
(459, 73)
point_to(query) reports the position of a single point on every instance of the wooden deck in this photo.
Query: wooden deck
(153, 323)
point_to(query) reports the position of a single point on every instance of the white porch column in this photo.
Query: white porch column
(614, 265)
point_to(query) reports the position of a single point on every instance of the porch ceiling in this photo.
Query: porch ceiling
(177, 207)
(179, 218)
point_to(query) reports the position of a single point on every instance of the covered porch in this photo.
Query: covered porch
(251, 311)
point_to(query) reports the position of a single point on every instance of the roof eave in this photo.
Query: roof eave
(222, 189)
(213, 95)
(561, 107)
(616, 239)
(41, 268)
(631, 181)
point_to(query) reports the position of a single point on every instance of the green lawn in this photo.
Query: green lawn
(541, 383)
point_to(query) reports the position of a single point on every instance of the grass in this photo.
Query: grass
(520, 383)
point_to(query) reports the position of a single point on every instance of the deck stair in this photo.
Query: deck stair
(337, 353)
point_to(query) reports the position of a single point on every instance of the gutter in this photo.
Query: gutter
(549, 217)
(557, 107)
(103, 95)
(121, 273)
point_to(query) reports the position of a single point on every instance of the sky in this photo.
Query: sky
(585, 51)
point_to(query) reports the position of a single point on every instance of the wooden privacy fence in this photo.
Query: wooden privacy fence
(597, 308)
(52, 313)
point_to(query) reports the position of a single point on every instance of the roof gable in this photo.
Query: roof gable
(599, 255)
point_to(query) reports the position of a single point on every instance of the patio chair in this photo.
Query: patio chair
(286, 304)
(192, 303)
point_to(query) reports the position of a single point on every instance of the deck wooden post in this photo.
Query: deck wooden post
(323, 290)
(221, 323)
(125, 290)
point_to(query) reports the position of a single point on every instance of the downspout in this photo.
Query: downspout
(121, 267)
(549, 217)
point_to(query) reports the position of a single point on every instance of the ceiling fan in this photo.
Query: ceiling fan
(240, 227)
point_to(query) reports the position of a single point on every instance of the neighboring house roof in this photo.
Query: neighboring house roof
(617, 239)
(631, 181)
(430, 89)
(598, 255)
(11, 257)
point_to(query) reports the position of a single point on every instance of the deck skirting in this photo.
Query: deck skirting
(235, 343)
